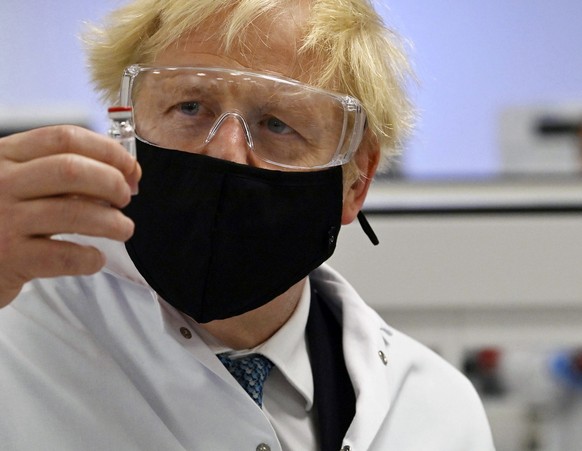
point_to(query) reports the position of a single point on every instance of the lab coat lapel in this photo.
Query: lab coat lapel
(366, 346)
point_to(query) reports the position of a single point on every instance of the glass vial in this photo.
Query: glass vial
(121, 127)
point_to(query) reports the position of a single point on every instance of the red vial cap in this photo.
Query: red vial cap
(118, 109)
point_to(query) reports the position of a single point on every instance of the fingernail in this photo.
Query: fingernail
(135, 178)
(134, 186)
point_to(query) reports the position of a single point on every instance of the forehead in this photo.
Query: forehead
(269, 44)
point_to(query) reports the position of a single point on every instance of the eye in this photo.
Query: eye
(278, 126)
(189, 108)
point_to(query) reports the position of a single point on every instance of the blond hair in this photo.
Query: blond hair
(355, 53)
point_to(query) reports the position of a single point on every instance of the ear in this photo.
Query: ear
(367, 158)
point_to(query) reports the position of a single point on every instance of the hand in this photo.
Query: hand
(61, 179)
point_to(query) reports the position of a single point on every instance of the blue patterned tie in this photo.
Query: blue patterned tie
(251, 372)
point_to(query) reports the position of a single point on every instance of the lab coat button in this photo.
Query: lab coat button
(186, 332)
(263, 447)
(383, 357)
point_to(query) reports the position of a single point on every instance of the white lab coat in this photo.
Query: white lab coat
(99, 363)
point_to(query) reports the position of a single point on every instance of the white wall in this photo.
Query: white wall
(42, 65)
(474, 59)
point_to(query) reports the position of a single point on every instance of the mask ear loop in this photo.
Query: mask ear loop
(367, 228)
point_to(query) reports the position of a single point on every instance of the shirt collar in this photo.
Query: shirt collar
(287, 348)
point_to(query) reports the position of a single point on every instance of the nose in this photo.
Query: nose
(229, 139)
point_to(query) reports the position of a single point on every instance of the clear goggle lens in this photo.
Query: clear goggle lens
(285, 123)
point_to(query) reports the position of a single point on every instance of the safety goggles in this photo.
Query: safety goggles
(284, 122)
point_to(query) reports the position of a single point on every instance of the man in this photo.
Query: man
(259, 126)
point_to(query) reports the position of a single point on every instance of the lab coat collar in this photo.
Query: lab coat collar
(120, 264)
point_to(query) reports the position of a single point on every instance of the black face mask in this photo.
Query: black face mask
(217, 239)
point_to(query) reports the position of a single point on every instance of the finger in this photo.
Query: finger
(67, 174)
(71, 215)
(45, 257)
(52, 140)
